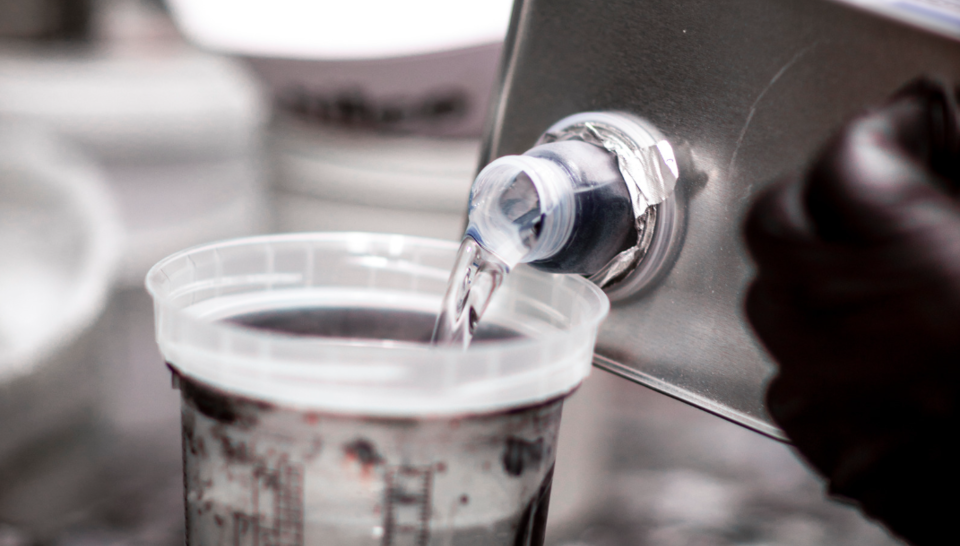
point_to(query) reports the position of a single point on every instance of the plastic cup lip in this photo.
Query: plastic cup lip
(392, 345)
(595, 302)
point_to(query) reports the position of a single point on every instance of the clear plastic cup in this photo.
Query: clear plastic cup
(315, 412)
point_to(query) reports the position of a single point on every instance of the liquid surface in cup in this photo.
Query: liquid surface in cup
(359, 323)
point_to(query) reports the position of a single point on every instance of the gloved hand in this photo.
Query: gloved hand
(857, 297)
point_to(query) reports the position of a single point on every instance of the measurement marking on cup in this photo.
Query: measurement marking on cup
(408, 498)
(277, 500)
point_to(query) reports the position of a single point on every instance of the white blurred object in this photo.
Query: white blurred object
(423, 66)
(359, 29)
(135, 106)
(176, 130)
(166, 208)
(59, 239)
(177, 134)
(332, 179)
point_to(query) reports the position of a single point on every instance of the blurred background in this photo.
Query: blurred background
(124, 138)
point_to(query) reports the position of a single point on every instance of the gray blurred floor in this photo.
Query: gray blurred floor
(682, 477)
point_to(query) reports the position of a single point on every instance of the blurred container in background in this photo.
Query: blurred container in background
(329, 178)
(385, 143)
(375, 139)
(59, 242)
(177, 134)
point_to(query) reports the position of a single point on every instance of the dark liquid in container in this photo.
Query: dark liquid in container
(525, 528)
(359, 323)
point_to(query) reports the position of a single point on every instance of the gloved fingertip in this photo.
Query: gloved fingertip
(921, 86)
(862, 184)
(931, 130)
(778, 215)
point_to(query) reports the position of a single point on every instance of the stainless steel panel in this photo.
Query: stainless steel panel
(750, 89)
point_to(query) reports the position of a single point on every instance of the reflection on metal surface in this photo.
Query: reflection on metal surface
(748, 90)
(941, 16)
(646, 161)
(671, 390)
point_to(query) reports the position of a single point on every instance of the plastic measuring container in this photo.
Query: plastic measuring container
(364, 434)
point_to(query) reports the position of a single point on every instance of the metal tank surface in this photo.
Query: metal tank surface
(745, 91)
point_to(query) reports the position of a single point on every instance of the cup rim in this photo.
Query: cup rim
(179, 337)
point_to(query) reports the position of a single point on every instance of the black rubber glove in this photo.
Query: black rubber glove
(857, 297)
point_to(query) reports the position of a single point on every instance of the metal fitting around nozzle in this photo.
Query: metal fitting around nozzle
(649, 168)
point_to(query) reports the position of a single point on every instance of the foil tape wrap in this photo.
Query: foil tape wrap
(649, 169)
